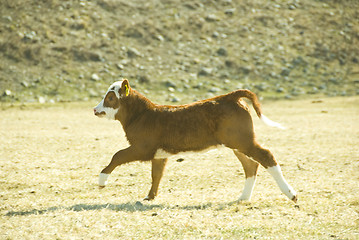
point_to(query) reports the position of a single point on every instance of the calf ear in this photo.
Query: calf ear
(125, 88)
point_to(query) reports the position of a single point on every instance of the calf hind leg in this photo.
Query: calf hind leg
(250, 169)
(266, 159)
(158, 167)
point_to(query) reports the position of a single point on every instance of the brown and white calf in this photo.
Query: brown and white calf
(158, 131)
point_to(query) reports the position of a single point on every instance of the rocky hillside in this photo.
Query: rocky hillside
(177, 51)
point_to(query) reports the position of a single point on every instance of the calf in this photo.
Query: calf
(158, 131)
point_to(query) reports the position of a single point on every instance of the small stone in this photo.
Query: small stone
(170, 84)
(292, 7)
(222, 51)
(205, 71)
(285, 72)
(95, 77)
(7, 92)
(119, 66)
(214, 90)
(24, 84)
(230, 11)
(280, 90)
(160, 38)
(42, 100)
(175, 99)
(133, 52)
(198, 86)
(212, 18)
(261, 87)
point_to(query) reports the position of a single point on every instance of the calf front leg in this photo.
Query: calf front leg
(127, 155)
(158, 167)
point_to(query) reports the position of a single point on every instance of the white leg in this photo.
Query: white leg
(102, 179)
(276, 173)
(248, 188)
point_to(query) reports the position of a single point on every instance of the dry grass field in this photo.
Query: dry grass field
(50, 158)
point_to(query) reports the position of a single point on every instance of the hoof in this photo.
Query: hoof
(243, 199)
(294, 199)
(148, 198)
(101, 187)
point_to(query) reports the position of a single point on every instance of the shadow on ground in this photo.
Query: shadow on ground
(127, 207)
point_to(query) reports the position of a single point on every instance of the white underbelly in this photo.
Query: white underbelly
(160, 153)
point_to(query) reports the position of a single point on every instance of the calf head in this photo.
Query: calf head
(111, 103)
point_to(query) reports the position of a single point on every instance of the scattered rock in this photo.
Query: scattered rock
(230, 11)
(7, 92)
(245, 70)
(119, 66)
(296, 91)
(95, 77)
(133, 52)
(198, 86)
(25, 84)
(285, 72)
(261, 86)
(314, 90)
(205, 71)
(170, 84)
(212, 18)
(42, 100)
(222, 51)
(175, 99)
(280, 90)
(180, 160)
(214, 90)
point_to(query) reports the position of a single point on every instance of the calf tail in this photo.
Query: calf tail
(256, 105)
(251, 96)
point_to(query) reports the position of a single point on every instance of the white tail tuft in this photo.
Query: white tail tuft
(271, 123)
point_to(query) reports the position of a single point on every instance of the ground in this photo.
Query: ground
(51, 156)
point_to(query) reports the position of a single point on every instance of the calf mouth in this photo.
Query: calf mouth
(100, 114)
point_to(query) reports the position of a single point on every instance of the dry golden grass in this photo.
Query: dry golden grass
(50, 159)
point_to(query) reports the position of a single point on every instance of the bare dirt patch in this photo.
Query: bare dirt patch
(50, 158)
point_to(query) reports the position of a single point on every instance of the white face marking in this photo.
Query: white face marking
(108, 111)
(248, 189)
(276, 173)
